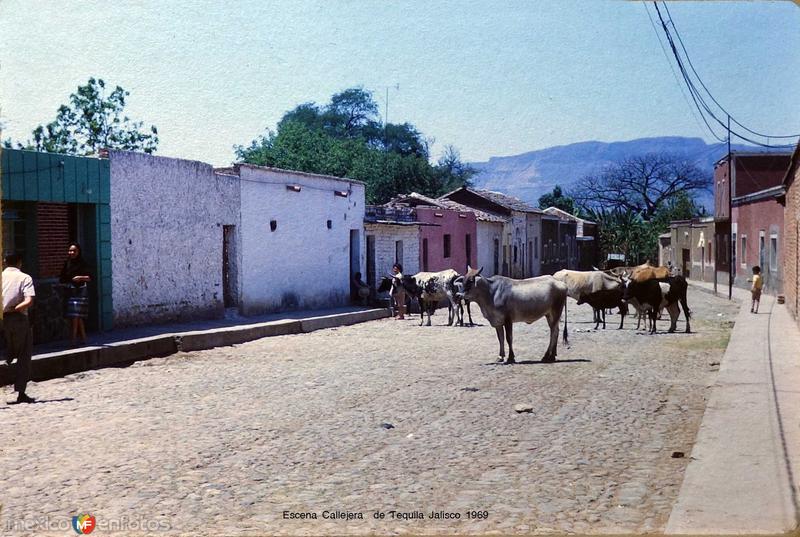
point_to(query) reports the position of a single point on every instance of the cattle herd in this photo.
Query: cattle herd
(504, 301)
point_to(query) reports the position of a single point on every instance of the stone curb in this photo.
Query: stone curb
(59, 364)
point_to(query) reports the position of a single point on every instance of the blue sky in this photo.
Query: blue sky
(490, 77)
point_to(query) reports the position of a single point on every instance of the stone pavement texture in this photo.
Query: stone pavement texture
(745, 466)
(124, 346)
(379, 417)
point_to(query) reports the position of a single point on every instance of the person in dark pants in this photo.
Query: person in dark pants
(18, 293)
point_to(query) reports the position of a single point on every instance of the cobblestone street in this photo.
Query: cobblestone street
(226, 441)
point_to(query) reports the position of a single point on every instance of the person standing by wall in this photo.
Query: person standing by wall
(398, 291)
(75, 275)
(18, 293)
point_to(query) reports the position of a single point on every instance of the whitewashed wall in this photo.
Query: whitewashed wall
(166, 237)
(302, 264)
(386, 237)
(487, 232)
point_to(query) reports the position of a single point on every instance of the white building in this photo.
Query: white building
(188, 241)
(392, 236)
(168, 218)
(301, 237)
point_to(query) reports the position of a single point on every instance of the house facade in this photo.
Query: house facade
(190, 241)
(749, 225)
(517, 250)
(169, 224)
(559, 244)
(689, 247)
(48, 201)
(392, 235)
(791, 236)
(489, 238)
(301, 239)
(586, 237)
(449, 240)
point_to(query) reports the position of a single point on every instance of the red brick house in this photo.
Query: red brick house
(791, 225)
(755, 220)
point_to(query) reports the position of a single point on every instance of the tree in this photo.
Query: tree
(452, 172)
(350, 112)
(346, 139)
(94, 119)
(557, 199)
(642, 185)
(635, 200)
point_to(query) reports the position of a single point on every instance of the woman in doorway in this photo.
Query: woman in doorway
(76, 276)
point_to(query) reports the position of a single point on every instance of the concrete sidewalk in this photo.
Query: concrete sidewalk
(125, 346)
(743, 476)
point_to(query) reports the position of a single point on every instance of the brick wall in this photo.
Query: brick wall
(386, 237)
(52, 229)
(791, 257)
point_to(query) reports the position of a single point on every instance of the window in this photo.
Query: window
(744, 250)
(446, 245)
(468, 244)
(762, 249)
(398, 252)
(773, 252)
(515, 255)
(15, 231)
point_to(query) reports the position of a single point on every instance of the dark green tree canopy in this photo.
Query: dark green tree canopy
(93, 119)
(346, 138)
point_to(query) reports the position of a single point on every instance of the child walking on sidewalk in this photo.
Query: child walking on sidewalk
(755, 290)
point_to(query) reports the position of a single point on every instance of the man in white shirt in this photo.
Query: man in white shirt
(18, 293)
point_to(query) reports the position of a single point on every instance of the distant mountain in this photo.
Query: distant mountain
(529, 175)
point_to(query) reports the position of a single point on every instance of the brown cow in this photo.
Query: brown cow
(642, 274)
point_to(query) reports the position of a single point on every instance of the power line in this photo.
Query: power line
(689, 60)
(698, 99)
(671, 68)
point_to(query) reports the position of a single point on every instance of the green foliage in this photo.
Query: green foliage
(93, 120)
(622, 232)
(557, 199)
(346, 139)
(634, 201)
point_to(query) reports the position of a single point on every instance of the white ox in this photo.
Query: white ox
(504, 301)
(581, 283)
(431, 288)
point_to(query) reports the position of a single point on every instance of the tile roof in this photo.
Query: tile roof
(479, 215)
(498, 198)
(510, 202)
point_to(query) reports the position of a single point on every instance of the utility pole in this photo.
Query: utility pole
(730, 215)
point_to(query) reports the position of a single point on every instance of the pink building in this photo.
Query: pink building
(449, 241)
